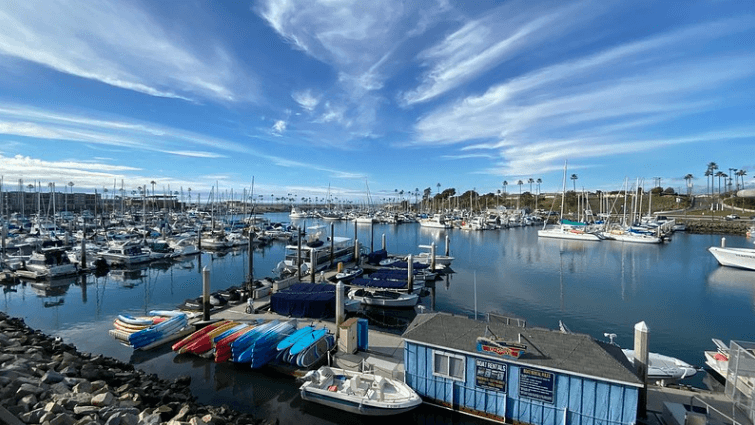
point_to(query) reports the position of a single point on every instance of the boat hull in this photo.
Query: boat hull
(319, 396)
(743, 258)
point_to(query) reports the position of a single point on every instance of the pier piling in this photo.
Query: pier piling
(250, 280)
(641, 364)
(448, 246)
(410, 277)
(383, 246)
(205, 293)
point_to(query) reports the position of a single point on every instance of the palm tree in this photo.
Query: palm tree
(708, 173)
(530, 181)
(574, 180)
(70, 186)
(720, 174)
(712, 167)
(539, 181)
(741, 175)
(689, 178)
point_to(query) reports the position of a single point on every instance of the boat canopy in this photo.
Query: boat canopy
(305, 300)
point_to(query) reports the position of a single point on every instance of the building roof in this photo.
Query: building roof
(548, 349)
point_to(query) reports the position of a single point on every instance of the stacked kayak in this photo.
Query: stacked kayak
(258, 347)
(223, 342)
(306, 347)
(199, 342)
(148, 332)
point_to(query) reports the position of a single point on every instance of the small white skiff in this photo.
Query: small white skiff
(356, 392)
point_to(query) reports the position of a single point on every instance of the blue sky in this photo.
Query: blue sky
(302, 96)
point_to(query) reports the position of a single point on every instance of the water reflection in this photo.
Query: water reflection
(733, 281)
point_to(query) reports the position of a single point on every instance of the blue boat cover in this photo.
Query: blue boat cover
(376, 257)
(315, 300)
(379, 283)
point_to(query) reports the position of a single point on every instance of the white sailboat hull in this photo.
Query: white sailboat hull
(562, 233)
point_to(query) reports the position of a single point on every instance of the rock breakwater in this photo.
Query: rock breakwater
(46, 381)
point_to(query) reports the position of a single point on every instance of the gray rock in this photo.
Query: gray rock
(72, 400)
(69, 371)
(34, 417)
(26, 389)
(85, 410)
(107, 412)
(196, 420)
(28, 400)
(103, 399)
(83, 387)
(54, 407)
(149, 418)
(123, 418)
(52, 377)
(63, 419)
(60, 388)
(181, 415)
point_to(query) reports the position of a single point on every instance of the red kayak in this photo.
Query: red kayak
(204, 343)
(177, 346)
(223, 347)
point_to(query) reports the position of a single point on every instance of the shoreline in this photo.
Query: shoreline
(44, 380)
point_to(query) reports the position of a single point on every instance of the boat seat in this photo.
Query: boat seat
(354, 383)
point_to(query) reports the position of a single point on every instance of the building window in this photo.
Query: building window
(448, 365)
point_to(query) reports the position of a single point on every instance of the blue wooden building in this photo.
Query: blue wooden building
(519, 374)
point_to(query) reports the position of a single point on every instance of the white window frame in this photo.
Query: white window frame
(448, 356)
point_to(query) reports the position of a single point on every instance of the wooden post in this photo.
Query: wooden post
(313, 264)
(432, 257)
(356, 252)
(641, 365)
(372, 236)
(383, 245)
(250, 280)
(448, 246)
(205, 293)
(410, 271)
(332, 248)
(339, 303)
(83, 264)
(298, 257)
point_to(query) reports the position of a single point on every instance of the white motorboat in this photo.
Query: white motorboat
(383, 298)
(349, 273)
(664, 369)
(743, 258)
(718, 361)
(357, 392)
(623, 235)
(437, 221)
(48, 263)
(317, 253)
(125, 254)
(184, 247)
(297, 214)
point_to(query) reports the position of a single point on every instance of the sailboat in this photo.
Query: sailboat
(567, 229)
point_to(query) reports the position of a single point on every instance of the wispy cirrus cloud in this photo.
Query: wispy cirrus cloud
(491, 41)
(358, 41)
(121, 45)
(600, 104)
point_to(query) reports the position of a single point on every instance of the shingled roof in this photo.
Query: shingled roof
(555, 350)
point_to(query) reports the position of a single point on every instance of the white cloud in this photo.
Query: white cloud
(119, 45)
(196, 154)
(588, 107)
(279, 127)
(481, 44)
(306, 100)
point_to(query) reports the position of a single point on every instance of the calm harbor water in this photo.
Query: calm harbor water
(677, 288)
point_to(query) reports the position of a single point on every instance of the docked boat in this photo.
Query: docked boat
(48, 263)
(664, 369)
(126, 254)
(623, 235)
(349, 274)
(382, 298)
(294, 214)
(567, 229)
(743, 258)
(426, 258)
(357, 392)
(437, 221)
(319, 253)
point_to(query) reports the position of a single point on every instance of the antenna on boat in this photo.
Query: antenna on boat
(611, 337)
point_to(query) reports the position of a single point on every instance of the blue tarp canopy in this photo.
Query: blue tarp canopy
(379, 283)
(375, 257)
(315, 300)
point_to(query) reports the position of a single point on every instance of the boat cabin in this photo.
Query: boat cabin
(515, 374)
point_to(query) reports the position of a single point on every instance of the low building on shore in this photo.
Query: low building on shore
(518, 374)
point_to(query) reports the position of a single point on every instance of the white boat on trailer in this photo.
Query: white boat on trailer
(357, 392)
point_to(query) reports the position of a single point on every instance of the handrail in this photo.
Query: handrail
(710, 407)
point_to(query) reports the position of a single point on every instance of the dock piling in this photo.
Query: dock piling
(339, 303)
(410, 277)
(205, 293)
(250, 280)
(383, 246)
(448, 246)
(641, 364)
